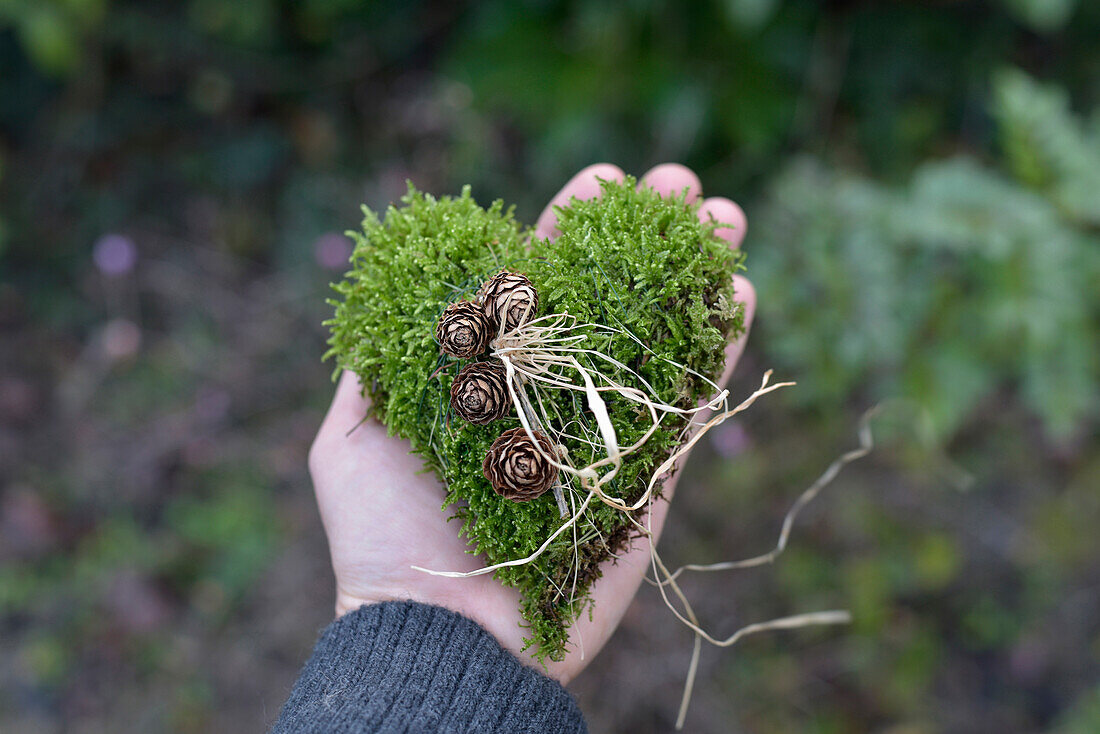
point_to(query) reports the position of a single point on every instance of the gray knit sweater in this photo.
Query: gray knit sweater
(409, 667)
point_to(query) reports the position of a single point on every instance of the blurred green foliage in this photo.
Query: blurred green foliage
(1083, 718)
(921, 182)
(963, 283)
(53, 33)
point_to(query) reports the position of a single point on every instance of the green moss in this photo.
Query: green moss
(629, 259)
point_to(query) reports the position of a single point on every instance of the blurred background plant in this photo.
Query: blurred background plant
(921, 182)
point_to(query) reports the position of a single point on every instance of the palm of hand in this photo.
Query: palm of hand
(381, 511)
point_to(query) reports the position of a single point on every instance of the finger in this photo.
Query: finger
(348, 410)
(727, 213)
(585, 185)
(744, 292)
(672, 179)
(349, 405)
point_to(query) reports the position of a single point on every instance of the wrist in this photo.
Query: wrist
(346, 602)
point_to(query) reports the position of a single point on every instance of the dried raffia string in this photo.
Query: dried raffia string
(526, 362)
(866, 445)
(534, 356)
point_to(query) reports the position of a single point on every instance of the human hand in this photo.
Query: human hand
(381, 511)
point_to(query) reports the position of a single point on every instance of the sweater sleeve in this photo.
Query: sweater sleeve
(410, 667)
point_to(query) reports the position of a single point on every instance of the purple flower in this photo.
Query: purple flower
(114, 254)
(730, 439)
(331, 251)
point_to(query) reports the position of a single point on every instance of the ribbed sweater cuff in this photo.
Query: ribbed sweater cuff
(409, 667)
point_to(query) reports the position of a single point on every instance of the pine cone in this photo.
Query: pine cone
(480, 392)
(509, 298)
(517, 469)
(463, 330)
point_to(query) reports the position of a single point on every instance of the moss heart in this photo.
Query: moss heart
(645, 267)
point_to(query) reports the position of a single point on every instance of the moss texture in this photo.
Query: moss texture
(629, 259)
